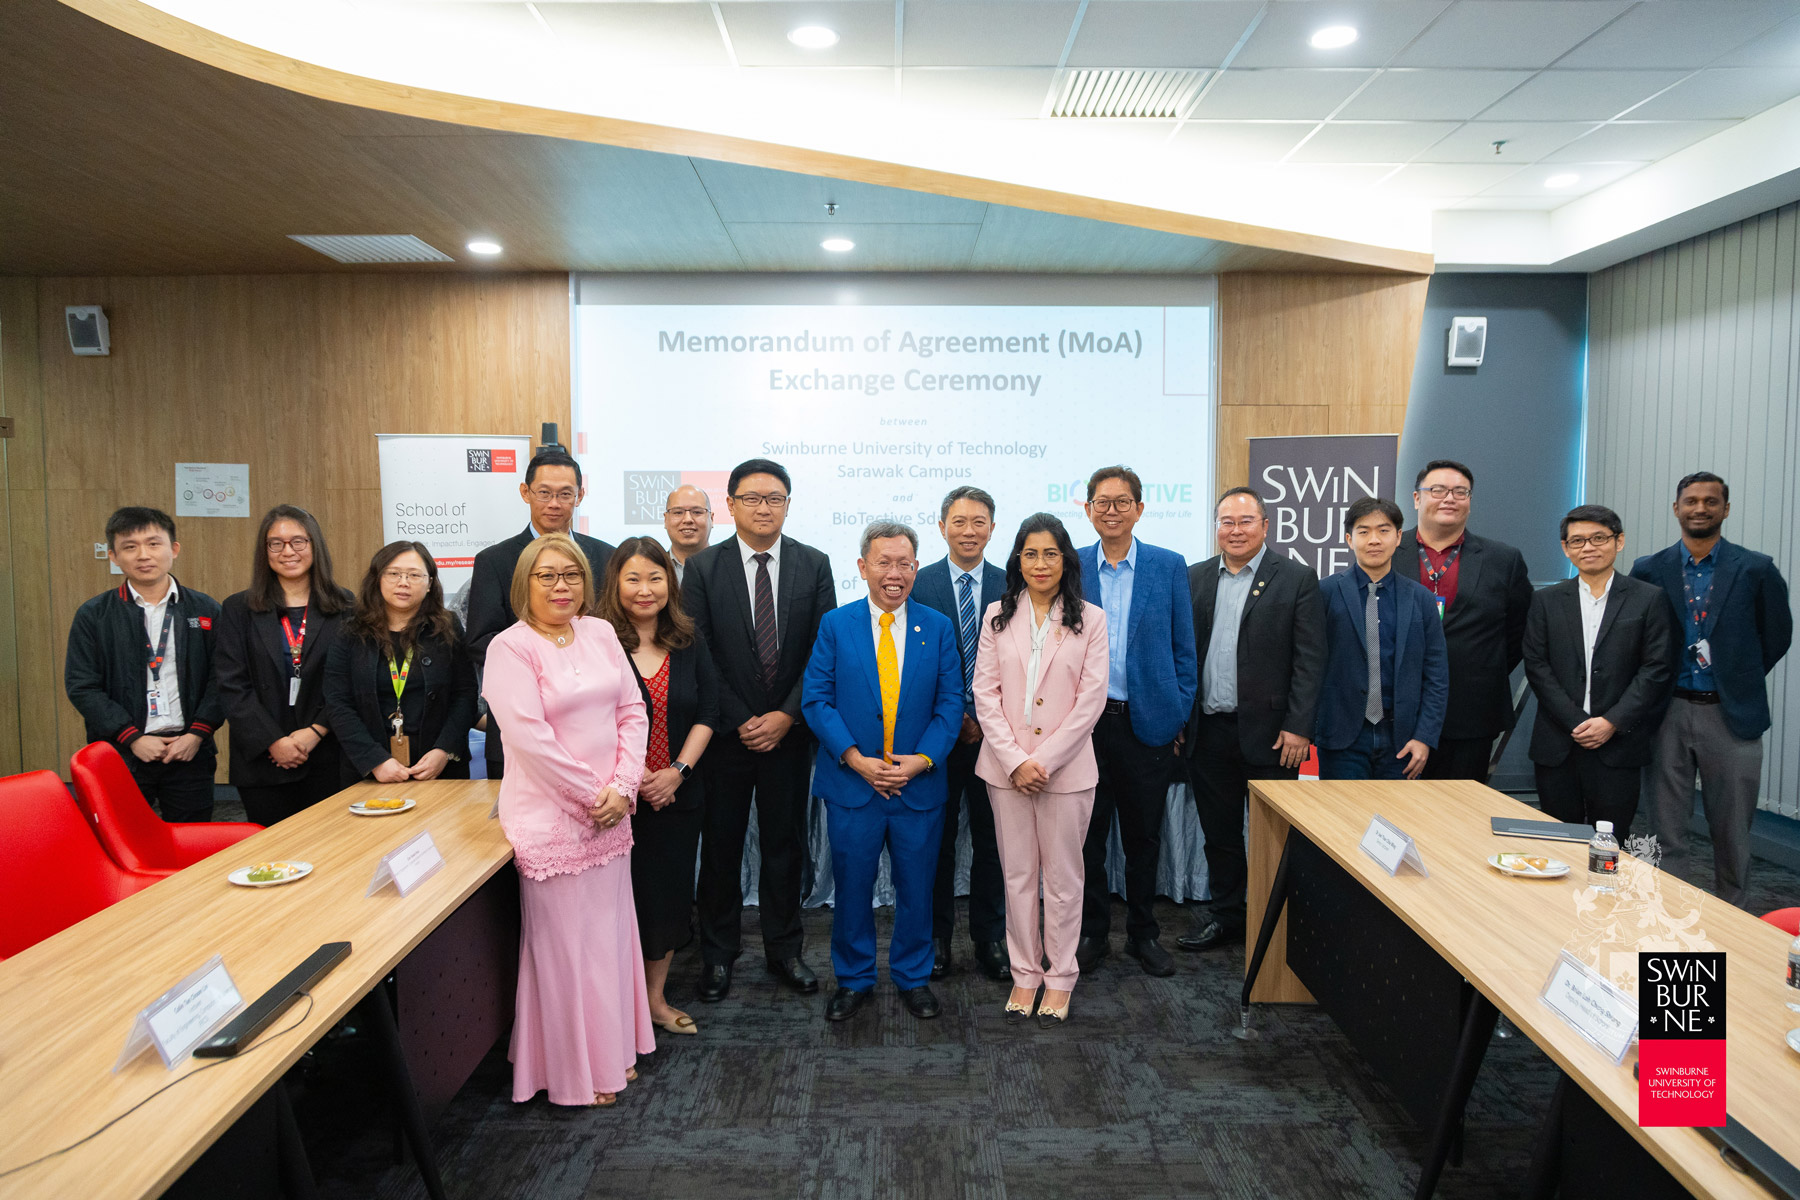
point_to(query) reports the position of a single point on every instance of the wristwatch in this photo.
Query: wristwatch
(683, 768)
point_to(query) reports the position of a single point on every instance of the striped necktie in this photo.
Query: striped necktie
(965, 631)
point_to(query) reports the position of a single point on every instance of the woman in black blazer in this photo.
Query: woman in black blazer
(680, 687)
(273, 641)
(401, 649)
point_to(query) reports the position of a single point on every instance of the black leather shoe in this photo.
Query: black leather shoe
(1089, 951)
(1209, 935)
(991, 958)
(921, 1003)
(795, 973)
(715, 983)
(940, 957)
(844, 1003)
(1152, 957)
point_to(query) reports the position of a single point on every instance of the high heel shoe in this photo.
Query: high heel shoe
(1017, 1014)
(1053, 1018)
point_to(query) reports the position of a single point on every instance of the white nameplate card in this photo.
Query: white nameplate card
(407, 865)
(1594, 1006)
(185, 1015)
(1383, 842)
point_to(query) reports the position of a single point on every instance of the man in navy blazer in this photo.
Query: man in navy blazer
(1731, 607)
(1152, 676)
(883, 693)
(1387, 673)
(961, 586)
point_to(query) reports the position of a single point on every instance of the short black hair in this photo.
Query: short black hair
(134, 517)
(1117, 472)
(551, 458)
(758, 466)
(1251, 492)
(1371, 504)
(965, 493)
(1597, 514)
(1444, 464)
(1688, 481)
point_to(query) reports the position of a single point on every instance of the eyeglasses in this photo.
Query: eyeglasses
(1598, 541)
(679, 513)
(1225, 523)
(905, 566)
(774, 500)
(277, 545)
(1040, 556)
(404, 576)
(1108, 504)
(549, 579)
(559, 496)
(1438, 491)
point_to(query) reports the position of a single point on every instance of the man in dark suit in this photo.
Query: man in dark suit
(1600, 653)
(1482, 592)
(1152, 675)
(757, 598)
(1734, 623)
(553, 491)
(1260, 628)
(1387, 677)
(961, 586)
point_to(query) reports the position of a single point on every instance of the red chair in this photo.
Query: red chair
(1785, 919)
(52, 871)
(129, 828)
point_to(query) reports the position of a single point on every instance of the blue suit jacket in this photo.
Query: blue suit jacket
(1421, 664)
(1750, 625)
(934, 589)
(841, 700)
(1162, 670)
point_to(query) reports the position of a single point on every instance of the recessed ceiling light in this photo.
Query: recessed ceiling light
(837, 245)
(484, 247)
(1566, 179)
(1333, 37)
(813, 37)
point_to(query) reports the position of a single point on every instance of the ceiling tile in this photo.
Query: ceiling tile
(1589, 176)
(1414, 95)
(1508, 33)
(1579, 95)
(759, 34)
(758, 194)
(1241, 141)
(1278, 94)
(1005, 33)
(1526, 141)
(1393, 142)
(1019, 239)
(1727, 93)
(1154, 33)
(826, 86)
(1691, 33)
(641, 34)
(1383, 27)
(1779, 47)
(977, 95)
(1442, 181)
(1511, 203)
(1627, 141)
(1326, 178)
(782, 247)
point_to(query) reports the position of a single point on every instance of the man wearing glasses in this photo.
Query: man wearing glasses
(1483, 592)
(1600, 653)
(553, 490)
(757, 598)
(687, 519)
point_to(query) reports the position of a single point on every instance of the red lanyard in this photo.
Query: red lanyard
(295, 644)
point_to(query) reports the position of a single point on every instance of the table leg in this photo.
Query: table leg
(296, 1172)
(406, 1098)
(1477, 1032)
(1271, 917)
(1546, 1153)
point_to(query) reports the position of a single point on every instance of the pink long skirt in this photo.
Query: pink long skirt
(583, 1015)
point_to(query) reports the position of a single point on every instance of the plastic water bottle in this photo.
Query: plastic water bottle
(1603, 858)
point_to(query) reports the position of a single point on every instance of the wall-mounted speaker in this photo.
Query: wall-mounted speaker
(87, 329)
(1468, 341)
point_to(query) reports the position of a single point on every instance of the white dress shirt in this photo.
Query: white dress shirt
(1593, 610)
(169, 719)
(774, 553)
(1040, 633)
(899, 632)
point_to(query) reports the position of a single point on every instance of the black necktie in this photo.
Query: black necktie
(764, 619)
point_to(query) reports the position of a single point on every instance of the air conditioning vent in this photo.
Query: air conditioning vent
(372, 247)
(1117, 92)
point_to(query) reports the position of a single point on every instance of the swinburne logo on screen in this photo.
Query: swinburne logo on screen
(486, 462)
(647, 492)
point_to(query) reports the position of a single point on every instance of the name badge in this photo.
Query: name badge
(407, 865)
(293, 691)
(1594, 1007)
(184, 1016)
(1386, 844)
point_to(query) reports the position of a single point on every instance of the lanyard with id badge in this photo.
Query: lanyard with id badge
(1698, 613)
(155, 706)
(295, 645)
(1434, 574)
(399, 745)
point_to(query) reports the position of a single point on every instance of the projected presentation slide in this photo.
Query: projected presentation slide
(878, 410)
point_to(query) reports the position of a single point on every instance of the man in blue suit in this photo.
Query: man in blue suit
(961, 586)
(1152, 676)
(1387, 673)
(883, 693)
(1731, 606)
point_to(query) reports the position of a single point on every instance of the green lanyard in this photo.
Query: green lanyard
(397, 675)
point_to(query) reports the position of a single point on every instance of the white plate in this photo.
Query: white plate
(1558, 869)
(1793, 1040)
(360, 811)
(241, 876)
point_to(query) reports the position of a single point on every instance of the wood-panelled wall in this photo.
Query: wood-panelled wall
(294, 375)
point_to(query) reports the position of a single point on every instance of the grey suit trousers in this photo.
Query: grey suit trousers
(1695, 740)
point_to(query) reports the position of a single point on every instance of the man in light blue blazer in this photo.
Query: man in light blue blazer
(883, 693)
(1152, 677)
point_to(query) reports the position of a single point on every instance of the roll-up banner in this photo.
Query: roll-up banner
(1308, 482)
(457, 494)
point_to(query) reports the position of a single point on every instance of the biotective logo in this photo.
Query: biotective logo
(1681, 1032)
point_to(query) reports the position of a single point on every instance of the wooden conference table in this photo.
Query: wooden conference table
(67, 1003)
(1503, 936)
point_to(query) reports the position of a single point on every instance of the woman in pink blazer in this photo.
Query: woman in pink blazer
(1040, 686)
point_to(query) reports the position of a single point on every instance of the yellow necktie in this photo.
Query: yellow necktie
(888, 664)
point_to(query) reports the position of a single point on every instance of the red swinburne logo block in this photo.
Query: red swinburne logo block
(1681, 1031)
(506, 462)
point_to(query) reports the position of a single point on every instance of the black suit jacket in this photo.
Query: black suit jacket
(1281, 653)
(1484, 631)
(1634, 669)
(693, 700)
(254, 669)
(438, 704)
(715, 594)
(934, 589)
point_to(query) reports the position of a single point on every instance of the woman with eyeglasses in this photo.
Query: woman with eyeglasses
(399, 686)
(274, 639)
(1040, 687)
(564, 691)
